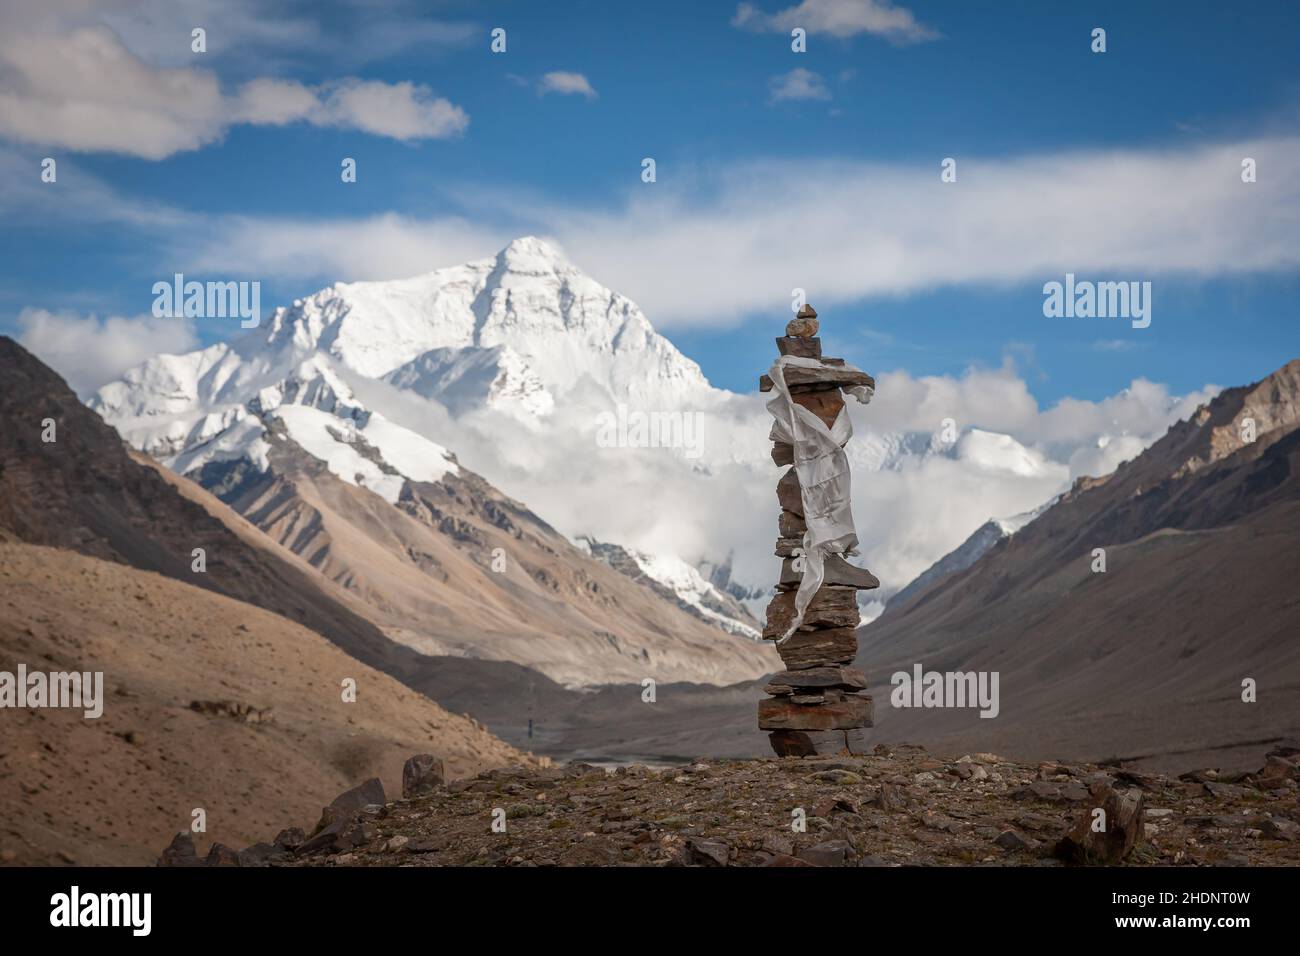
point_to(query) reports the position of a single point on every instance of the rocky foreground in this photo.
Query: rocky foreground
(896, 806)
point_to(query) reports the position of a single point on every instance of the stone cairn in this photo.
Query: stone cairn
(816, 705)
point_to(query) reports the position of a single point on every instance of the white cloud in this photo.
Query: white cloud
(398, 110)
(88, 351)
(846, 231)
(560, 81)
(253, 35)
(799, 84)
(387, 246)
(83, 90)
(838, 18)
(1011, 457)
(842, 231)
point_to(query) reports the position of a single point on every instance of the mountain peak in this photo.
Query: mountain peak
(532, 252)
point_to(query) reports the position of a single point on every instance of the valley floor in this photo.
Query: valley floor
(900, 806)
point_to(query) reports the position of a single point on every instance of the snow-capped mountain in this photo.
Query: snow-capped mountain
(472, 377)
(985, 537)
(515, 330)
(512, 334)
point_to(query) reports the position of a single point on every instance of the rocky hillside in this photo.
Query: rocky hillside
(85, 491)
(898, 806)
(1147, 658)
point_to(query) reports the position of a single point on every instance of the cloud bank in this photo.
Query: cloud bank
(842, 231)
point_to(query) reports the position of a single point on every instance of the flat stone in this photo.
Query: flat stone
(785, 547)
(837, 573)
(802, 346)
(819, 647)
(848, 678)
(777, 713)
(791, 525)
(782, 453)
(808, 699)
(831, 607)
(827, 374)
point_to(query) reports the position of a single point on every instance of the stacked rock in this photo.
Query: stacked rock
(815, 704)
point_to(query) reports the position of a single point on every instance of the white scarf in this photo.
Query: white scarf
(824, 479)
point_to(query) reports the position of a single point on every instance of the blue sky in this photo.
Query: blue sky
(776, 188)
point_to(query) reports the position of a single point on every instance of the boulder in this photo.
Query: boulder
(818, 743)
(340, 826)
(1115, 835)
(180, 852)
(222, 855)
(708, 852)
(422, 773)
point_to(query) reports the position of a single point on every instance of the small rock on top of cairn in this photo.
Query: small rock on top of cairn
(804, 325)
(815, 705)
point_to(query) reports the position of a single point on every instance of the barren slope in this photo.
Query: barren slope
(456, 568)
(113, 790)
(1202, 542)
